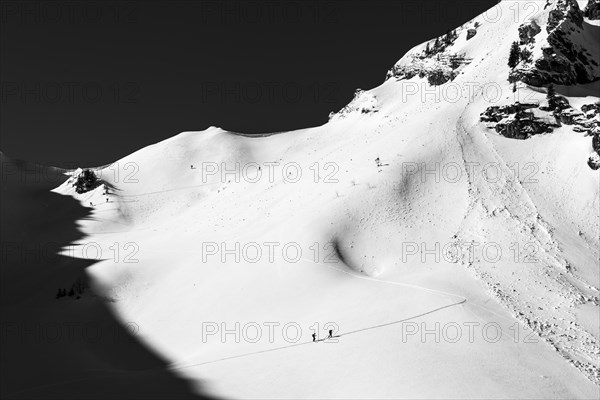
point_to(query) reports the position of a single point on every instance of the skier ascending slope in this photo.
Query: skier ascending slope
(314, 336)
(330, 333)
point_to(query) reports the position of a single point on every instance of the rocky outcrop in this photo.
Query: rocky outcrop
(591, 110)
(515, 121)
(521, 121)
(596, 139)
(439, 77)
(564, 10)
(435, 61)
(592, 10)
(527, 32)
(564, 61)
(594, 161)
(85, 181)
(363, 103)
(498, 113)
(586, 120)
(438, 69)
(522, 126)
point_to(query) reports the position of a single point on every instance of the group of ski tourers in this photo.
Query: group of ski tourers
(314, 335)
(105, 193)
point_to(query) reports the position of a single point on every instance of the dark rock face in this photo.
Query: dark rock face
(437, 77)
(445, 69)
(565, 9)
(594, 108)
(594, 161)
(445, 66)
(592, 10)
(527, 32)
(583, 121)
(471, 32)
(564, 61)
(596, 140)
(523, 127)
(498, 113)
(515, 121)
(569, 116)
(518, 121)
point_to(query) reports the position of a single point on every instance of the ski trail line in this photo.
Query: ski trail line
(310, 342)
(354, 275)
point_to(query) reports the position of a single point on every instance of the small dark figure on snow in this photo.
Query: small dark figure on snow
(314, 335)
(192, 167)
(91, 204)
(378, 162)
(107, 199)
(330, 333)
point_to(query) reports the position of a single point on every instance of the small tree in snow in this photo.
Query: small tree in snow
(86, 181)
(514, 56)
(551, 97)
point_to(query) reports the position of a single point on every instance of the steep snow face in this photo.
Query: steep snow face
(448, 260)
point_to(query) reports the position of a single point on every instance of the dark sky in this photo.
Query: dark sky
(86, 83)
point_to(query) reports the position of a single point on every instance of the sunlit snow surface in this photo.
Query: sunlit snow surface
(506, 318)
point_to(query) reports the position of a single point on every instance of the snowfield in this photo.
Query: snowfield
(462, 264)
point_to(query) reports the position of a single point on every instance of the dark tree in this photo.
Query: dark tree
(86, 181)
(515, 55)
(526, 55)
(551, 97)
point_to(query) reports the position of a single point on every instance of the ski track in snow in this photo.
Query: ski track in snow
(518, 304)
(354, 275)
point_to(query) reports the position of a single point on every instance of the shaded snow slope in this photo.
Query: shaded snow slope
(69, 347)
(332, 236)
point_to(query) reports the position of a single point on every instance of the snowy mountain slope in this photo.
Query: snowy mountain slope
(61, 347)
(455, 227)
